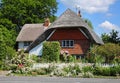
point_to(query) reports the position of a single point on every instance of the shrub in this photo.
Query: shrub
(8, 53)
(51, 68)
(63, 57)
(13, 67)
(98, 71)
(87, 75)
(115, 70)
(71, 58)
(20, 63)
(112, 70)
(59, 72)
(108, 51)
(72, 70)
(51, 51)
(67, 58)
(87, 69)
(106, 71)
(35, 58)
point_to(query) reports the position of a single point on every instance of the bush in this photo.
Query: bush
(72, 70)
(59, 72)
(20, 63)
(71, 58)
(87, 75)
(35, 58)
(98, 71)
(51, 51)
(13, 67)
(5, 57)
(87, 69)
(115, 70)
(108, 51)
(67, 58)
(106, 71)
(51, 68)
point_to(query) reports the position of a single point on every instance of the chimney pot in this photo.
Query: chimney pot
(79, 13)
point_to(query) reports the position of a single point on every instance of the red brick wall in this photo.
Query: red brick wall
(64, 34)
(81, 43)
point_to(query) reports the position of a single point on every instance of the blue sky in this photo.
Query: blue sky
(104, 14)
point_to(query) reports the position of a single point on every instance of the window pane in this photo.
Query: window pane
(71, 43)
(63, 43)
(67, 43)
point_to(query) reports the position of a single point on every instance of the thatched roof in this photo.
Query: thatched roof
(68, 19)
(30, 32)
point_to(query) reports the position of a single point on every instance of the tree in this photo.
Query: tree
(89, 23)
(8, 31)
(6, 44)
(112, 37)
(27, 11)
(16, 13)
(105, 37)
(105, 53)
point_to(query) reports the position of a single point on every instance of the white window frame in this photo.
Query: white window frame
(65, 44)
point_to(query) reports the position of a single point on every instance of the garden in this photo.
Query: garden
(99, 61)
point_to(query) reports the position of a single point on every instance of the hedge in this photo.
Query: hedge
(51, 51)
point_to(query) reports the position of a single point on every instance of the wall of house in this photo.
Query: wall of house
(81, 43)
(37, 50)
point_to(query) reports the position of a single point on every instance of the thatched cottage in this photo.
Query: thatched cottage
(73, 33)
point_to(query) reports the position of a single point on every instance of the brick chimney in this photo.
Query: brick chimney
(46, 23)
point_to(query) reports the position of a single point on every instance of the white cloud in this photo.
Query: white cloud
(90, 6)
(109, 26)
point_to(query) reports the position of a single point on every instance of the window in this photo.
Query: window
(67, 43)
(27, 43)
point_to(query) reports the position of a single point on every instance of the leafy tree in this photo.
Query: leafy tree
(27, 11)
(105, 37)
(6, 36)
(6, 44)
(7, 40)
(15, 13)
(108, 52)
(114, 37)
(89, 23)
(11, 28)
(8, 24)
(111, 38)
